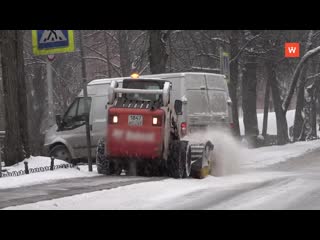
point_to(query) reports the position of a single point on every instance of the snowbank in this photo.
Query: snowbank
(42, 177)
(34, 162)
(272, 124)
(266, 156)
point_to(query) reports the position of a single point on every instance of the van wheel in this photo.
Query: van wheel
(61, 152)
(178, 164)
(101, 160)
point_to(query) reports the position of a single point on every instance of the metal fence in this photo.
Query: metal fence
(34, 170)
(5, 173)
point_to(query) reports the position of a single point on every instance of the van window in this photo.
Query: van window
(218, 101)
(197, 102)
(195, 81)
(72, 110)
(75, 112)
(81, 107)
(216, 82)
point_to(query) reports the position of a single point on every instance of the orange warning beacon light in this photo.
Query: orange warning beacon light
(135, 75)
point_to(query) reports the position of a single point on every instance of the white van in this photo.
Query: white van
(205, 98)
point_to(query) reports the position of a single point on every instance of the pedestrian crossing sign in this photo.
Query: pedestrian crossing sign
(45, 42)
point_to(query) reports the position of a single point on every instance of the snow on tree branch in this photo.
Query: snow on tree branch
(313, 76)
(144, 68)
(220, 40)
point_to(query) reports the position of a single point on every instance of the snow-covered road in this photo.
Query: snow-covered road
(276, 177)
(288, 184)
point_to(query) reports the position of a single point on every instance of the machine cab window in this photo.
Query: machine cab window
(142, 84)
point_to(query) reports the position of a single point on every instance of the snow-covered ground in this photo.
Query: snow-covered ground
(249, 182)
(42, 177)
(266, 156)
(195, 193)
(272, 124)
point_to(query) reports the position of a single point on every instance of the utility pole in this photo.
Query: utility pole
(86, 106)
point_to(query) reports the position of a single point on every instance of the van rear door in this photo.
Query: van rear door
(219, 97)
(207, 96)
(198, 102)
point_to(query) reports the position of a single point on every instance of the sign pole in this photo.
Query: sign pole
(86, 107)
(50, 92)
(224, 64)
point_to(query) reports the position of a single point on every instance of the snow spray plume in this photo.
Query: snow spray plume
(228, 152)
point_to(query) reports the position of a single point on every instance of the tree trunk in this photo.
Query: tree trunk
(16, 146)
(315, 90)
(249, 97)
(282, 127)
(233, 84)
(298, 119)
(308, 130)
(2, 117)
(125, 60)
(36, 107)
(266, 108)
(107, 53)
(158, 54)
(22, 95)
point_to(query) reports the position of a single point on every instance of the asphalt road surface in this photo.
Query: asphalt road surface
(64, 188)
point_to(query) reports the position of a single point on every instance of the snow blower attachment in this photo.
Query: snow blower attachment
(144, 135)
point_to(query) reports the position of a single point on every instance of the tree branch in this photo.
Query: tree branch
(97, 52)
(113, 65)
(313, 76)
(296, 75)
(244, 46)
(220, 40)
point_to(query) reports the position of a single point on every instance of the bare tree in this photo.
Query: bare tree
(234, 75)
(266, 108)
(249, 96)
(158, 54)
(16, 146)
(297, 72)
(282, 127)
(125, 58)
